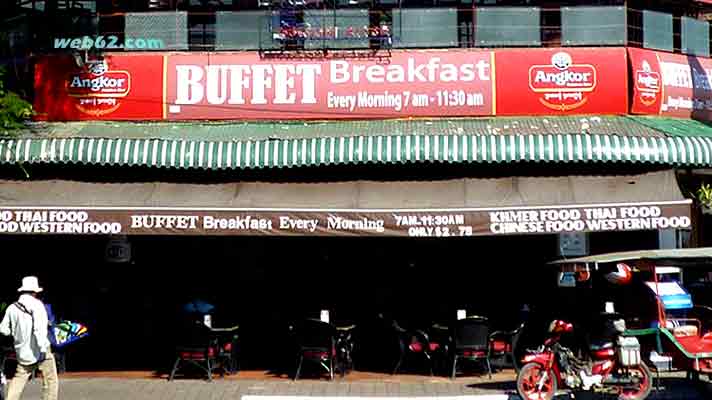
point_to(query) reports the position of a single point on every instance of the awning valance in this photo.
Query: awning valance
(458, 207)
(701, 255)
(392, 149)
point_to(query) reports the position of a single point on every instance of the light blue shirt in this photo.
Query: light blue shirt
(28, 331)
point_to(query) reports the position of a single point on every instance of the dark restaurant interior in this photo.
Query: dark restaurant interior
(264, 285)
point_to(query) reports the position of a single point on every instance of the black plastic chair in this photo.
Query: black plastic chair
(440, 345)
(196, 346)
(315, 342)
(414, 344)
(471, 342)
(503, 344)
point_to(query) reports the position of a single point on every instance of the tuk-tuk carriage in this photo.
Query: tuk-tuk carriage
(674, 330)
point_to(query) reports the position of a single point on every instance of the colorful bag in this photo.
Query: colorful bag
(64, 332)
(67, 332)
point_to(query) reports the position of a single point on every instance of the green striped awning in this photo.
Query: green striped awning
(393, 149)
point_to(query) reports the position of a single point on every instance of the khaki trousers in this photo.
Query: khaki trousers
(50, 382)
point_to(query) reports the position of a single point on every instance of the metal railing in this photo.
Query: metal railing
(305, 26)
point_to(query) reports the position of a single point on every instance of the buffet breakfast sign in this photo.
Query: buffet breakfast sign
(340, 222)
(409, 83)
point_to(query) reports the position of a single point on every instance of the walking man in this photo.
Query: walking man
(26, 321)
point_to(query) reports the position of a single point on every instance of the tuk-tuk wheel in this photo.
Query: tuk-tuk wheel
(645, 386)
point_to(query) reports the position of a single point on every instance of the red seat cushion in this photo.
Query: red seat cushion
(473, 353)
(316, 354)
(417, 347)
(500, 346)
(197, 355)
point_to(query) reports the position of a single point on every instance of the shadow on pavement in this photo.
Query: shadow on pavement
(502, 386)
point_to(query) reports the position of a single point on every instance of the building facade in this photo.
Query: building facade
(281, 158)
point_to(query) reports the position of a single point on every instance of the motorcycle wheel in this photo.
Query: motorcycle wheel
(528, 379)
(644, 387)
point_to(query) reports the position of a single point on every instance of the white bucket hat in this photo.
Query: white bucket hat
(30, 284)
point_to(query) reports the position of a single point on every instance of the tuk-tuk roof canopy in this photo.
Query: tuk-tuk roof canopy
(673, 256)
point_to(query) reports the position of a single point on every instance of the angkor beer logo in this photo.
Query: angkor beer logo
(97, 89)
(647, 82)
(563, 85)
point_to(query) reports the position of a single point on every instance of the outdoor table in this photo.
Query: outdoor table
(345, 328)
(230, 329)
(223, 337)
(344, 347)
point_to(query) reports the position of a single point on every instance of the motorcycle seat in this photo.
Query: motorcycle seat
(601, 345)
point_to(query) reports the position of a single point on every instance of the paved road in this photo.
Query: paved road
(674, 388)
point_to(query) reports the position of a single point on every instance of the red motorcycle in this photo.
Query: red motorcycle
(614, 368)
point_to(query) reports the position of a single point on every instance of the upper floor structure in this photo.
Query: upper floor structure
(324, 25)
(308, 59)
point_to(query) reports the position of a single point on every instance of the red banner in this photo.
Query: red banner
(119, 87)
(671, 84)
(561, 81)
(244, 86)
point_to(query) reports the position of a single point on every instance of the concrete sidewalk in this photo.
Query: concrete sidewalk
(91, 388)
